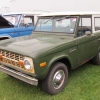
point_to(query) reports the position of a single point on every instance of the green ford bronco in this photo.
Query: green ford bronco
(60, 41)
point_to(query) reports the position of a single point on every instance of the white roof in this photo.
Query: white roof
(25, 13)
(70, 13)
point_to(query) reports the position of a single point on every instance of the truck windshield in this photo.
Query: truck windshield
(56, 24)
(12, 19)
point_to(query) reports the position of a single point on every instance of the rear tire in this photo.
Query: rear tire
(96, 59)
(56, 79)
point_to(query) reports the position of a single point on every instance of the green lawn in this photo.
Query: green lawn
(83, 84)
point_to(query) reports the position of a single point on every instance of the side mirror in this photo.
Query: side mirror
(88, 32)
(26, 25)
(15, 26)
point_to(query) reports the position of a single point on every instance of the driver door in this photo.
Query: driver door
(86, 40)
(26, 26)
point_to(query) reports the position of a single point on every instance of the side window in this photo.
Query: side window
(97, 23)
(84, 26)
(26, 21)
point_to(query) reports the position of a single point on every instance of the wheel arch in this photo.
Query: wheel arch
(3, 37)
(64, 59)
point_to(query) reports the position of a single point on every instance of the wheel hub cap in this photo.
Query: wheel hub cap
(58, 79)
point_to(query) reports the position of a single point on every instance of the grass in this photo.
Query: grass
(83, 84)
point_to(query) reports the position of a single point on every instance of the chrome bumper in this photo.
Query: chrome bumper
(19, 75)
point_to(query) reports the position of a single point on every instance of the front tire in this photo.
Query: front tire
(56, 79)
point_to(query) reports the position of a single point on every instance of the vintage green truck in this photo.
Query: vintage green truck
(60, 41)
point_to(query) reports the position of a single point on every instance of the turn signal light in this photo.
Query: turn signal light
(43, 64)
(0, 56)
(21, 63)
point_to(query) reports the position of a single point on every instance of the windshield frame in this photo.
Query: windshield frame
(58, 17)
(18, 21)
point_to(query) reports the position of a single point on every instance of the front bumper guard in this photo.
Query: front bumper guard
(19, 75)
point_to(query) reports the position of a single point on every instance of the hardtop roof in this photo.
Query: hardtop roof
(24, 13)
(70, 13)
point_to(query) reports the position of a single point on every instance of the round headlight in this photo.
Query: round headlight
(27, 65)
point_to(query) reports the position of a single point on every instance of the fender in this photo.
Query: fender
(52, 60)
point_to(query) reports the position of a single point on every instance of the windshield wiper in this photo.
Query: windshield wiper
(62, 18)
(48, 20)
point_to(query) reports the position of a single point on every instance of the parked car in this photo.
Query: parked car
(60, 41)
(17, 24)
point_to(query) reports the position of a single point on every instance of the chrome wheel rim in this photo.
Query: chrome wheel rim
(58, 79)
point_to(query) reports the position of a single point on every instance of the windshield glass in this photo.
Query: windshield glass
(56, 24)
(12, 19)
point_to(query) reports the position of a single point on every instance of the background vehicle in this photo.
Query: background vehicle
(20, 24)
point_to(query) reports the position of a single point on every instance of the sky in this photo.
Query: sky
(4, 3)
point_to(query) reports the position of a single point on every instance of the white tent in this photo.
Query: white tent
(55, 5)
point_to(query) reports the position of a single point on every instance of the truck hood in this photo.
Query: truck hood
(5, 23)
(33, 43)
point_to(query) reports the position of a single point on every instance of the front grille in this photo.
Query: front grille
(11, 58)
